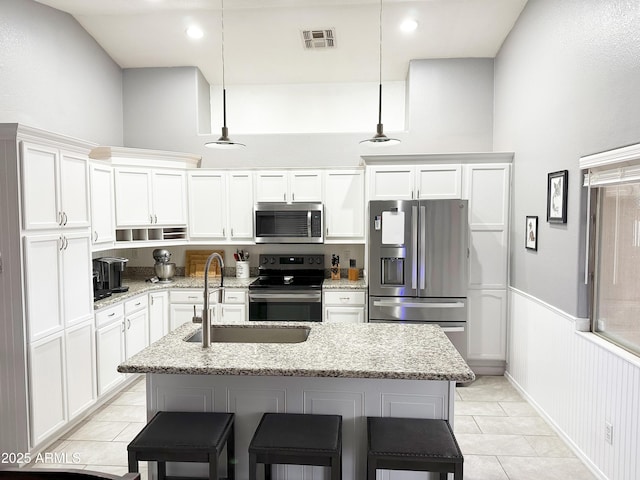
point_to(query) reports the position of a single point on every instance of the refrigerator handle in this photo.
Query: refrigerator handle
(423, 245)
(414, 246)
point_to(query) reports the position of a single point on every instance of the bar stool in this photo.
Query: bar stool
(297, 439)
(185, 437)
(422, 445)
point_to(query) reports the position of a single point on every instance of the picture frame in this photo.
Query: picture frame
(557, 190)
(531, 232)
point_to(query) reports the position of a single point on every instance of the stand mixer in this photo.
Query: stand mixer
(164, 269)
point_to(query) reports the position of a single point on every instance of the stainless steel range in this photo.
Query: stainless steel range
(289, 289)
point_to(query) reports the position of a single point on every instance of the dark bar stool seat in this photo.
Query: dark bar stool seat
(185, 437)
(412, 444)
(297, 439)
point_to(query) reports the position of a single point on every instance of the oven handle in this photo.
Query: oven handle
(294, 297)
(381, 303)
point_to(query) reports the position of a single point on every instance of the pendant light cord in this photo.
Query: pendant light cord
(380, 69)
(224, 91)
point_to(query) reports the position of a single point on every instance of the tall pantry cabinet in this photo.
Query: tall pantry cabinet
(47, 335)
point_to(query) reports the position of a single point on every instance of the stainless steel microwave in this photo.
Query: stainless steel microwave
(288, 223)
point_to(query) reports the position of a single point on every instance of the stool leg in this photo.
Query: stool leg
(213, 465)
(267, 471)
(162, 470)
(336, 467)
(252, 466)
(133, 463)
(371, 469)
(444, 475)
(231, 456)
(457, 475)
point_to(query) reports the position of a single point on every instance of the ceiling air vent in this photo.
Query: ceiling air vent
(320, 38)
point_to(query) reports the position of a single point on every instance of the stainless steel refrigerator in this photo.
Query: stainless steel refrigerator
(418, 264)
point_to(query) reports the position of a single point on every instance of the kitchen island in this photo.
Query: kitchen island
(354, 370)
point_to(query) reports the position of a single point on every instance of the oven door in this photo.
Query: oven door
(285, 305)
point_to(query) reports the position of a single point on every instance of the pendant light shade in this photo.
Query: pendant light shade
(224, 142)
(380, 138)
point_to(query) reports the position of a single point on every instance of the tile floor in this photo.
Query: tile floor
(500, 434)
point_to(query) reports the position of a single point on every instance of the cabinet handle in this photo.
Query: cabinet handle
(66, 242)
(128, 323)
(293, 197)
(150, 218)
(285, 197)
(155, 218)
(411, 194)
(192, 297)
(123, 328)
(111, 314)
(344, 299)
(61, 244)
(65, 218)
(138, 304)
(59, 218)
(231, 231)
(95, 236)
(418, 197)
(223, 233)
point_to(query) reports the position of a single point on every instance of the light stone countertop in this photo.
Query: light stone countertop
(138, 286)
(362, 350)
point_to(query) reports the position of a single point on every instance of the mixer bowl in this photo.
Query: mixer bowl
(165, 271)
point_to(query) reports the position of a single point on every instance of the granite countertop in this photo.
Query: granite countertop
(138, 286)
(361, 350)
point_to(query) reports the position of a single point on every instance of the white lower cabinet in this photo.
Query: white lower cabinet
(136, 325)
(81, 368)
(46, 384)
(184, 303)
(345, 306)
(235, 304)
(487, 325)
(158, 315)
(109, 347)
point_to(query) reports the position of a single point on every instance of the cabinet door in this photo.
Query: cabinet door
(158, 315)
(169, 197)
(305, 186)
(233, 313)
(272, 186)
(344, 315)
(43, 280)
(181, 313)
(76, 278)
(344, 205)
(46, 377)
(109, 354)
(81, 368)
(439, 181)
(40, 202)
(133, 197)
(74, 189)
(102, 205)
(207, 205)
(240, 205)
(136, 332)
(487, 324)
(391, 183)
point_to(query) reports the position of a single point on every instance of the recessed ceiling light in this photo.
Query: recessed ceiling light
(194, 32)
(409, 25)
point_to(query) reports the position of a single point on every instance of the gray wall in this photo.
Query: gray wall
(450, 110)
(566, 85)
(53, 75)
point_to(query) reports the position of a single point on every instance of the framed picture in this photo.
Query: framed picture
(531, 233)
(557, 197)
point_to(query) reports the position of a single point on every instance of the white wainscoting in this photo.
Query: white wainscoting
(578, 382)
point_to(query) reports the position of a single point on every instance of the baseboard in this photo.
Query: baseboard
(487, 367)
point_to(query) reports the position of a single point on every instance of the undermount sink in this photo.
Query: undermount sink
(251, 334)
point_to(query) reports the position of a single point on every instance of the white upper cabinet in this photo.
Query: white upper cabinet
(207, 204)
(344, 205)
(102, 205)
(147, 197)
(55, 188)
(408, 182)
(289, 186)
(240, 206)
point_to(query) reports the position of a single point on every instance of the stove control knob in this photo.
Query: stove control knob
(310, 260)
(265, 260)
(272, 260)
(318, 260)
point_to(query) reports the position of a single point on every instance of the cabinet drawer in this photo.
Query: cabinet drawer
(235, 296)
(136, 304)
(109, 314)
(344, 298)
(192, 296)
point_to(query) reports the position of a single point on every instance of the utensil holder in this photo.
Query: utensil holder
(242, 269)
(335, 272)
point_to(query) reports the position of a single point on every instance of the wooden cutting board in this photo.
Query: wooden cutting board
(196, 260)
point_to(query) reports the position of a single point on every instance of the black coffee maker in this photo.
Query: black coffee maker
(107, 276)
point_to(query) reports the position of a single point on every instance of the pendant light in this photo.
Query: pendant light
(380, 138)
(223, 141)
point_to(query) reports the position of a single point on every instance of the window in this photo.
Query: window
(613, 178)
(616, 288)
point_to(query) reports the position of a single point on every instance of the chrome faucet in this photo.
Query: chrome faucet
(206, 323)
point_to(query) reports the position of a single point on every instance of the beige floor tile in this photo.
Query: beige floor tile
(98, 453)
(139, 386)
(122, 413)
(492, 409)
(58, 466)
(518, 468)
(133, 398)
(130, 432)
(483, 467)
(549, 446)
(514, 425)
(119, 470)
(472, 444)
(97, 430)
(498, 392)
(519, 409)
(465, 424)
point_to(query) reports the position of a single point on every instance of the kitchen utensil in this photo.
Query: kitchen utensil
(165, 271)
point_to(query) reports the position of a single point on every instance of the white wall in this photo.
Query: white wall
(54, 76)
